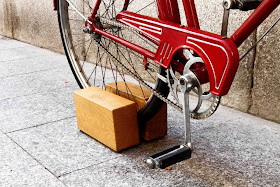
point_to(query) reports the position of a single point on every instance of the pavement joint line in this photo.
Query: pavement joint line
(43, 92)
(30, 46)
(42, 124)
(64, 174)
(1, 61)
(29, 73)
(20, 58)
(27, 45)
(34, 158)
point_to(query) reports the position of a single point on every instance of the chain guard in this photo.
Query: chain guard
(194, 114)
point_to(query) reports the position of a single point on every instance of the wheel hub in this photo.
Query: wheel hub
(97, 23)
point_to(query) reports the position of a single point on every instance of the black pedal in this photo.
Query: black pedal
(168, 156)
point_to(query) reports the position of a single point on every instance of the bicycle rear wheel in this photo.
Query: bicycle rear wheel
(97, 61)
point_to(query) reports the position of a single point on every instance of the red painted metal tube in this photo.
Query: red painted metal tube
(191, 14)
(128, 44)
(168, 11)
(96, 7)
(256, 18)
(126, 3)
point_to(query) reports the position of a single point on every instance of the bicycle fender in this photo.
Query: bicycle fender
(220, 55)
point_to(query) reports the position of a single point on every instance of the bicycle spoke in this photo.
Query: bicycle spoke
(80, 43)
(123, 77)
(107, 8)
(85, 56)
(131, 2)
(74, 34)
(76, 20)
(145, 7)
(79, 12)
(138, 59)
(101, 61)
(87, 2)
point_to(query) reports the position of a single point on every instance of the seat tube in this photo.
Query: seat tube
(191, 15)
(168, 10)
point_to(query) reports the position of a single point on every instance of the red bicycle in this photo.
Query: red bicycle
(108, 41)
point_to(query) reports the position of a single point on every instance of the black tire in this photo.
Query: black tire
(68, 35)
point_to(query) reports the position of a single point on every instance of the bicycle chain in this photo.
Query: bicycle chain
(117, 24)
(139, 79)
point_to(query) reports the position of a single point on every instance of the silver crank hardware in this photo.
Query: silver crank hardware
(227, 5)
(173, 154)
(187, 83)
(87, 30)
(173, 84)
(164, 79)
(200, 111)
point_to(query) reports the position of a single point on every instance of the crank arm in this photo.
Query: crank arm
(173, 154)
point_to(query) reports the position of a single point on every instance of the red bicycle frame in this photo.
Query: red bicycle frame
(255, 19)
(251, 24)
(220, 55)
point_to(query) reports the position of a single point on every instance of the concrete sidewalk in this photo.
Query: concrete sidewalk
(41, 145)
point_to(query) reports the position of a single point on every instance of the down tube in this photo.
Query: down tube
(256, 18)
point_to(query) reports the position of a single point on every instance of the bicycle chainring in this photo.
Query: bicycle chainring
(207, 103)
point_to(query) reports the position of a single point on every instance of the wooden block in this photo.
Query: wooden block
(157, 126)
(135, 93)
(108, 118)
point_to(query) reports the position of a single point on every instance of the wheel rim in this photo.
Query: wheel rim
(90, 55)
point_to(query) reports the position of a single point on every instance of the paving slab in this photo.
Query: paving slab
(226, 152)
(36, 82)
(37, 112)
(18, 168)
(121, 172)
(17, 50)
(65, 96)
(19, 53)
(232, 148)
(2, 75)
(33, 64)
(32, 110)
(8, 43)
(240, 150)
(61, 147)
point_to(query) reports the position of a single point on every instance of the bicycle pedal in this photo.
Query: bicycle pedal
(168, 156)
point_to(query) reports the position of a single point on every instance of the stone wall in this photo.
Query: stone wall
(31, 21)
(256, 88)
